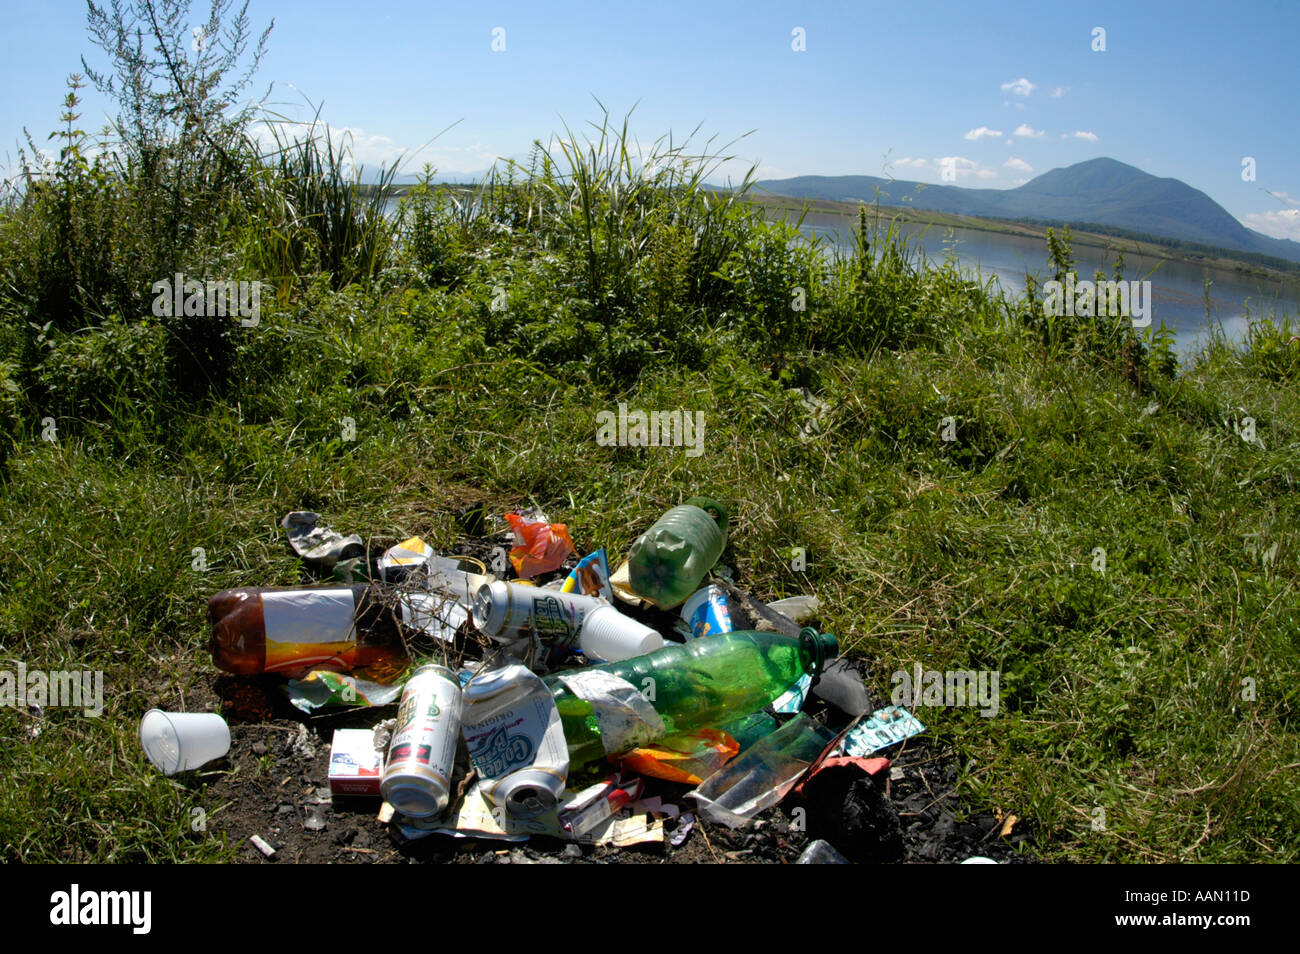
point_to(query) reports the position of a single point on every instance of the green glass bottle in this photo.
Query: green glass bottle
(701, 684)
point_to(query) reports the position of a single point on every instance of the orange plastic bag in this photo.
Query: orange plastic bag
(539, 546)
(688, 757)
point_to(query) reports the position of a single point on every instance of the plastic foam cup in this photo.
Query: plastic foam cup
(180, 741)
(609, 636)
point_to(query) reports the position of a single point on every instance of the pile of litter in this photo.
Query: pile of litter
(513, 692)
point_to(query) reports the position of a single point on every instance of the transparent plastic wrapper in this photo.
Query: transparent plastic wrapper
(324, 688)
(822, 853)
(688, 757)
(801, 609)
(540, 547)
(764, 774)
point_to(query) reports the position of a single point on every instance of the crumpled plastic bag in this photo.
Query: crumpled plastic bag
(323, 688)
(687, 757)
(540, 547)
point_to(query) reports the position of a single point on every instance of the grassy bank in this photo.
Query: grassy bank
(952, 463)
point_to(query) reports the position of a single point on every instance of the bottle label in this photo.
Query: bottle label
(500, 751)
(627, 719)
(305, 628)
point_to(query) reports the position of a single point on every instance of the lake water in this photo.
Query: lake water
(1178, 289)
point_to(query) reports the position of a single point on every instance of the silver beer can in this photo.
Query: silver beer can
(506, 611)
(417, 774)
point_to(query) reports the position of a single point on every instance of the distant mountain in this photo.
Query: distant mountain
(1099, 191)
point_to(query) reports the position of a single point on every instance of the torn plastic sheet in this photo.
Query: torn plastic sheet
(842, 685)
(317, 544)
(322, 688)
(684, 757)
(763, 775)
(799, 608)
(883, 728)
(626, 718)
(437, 616)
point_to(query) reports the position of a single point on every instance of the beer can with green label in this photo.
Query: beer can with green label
(417, 775)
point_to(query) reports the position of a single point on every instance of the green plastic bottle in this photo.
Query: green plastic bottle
(702, 684)
(668, 562)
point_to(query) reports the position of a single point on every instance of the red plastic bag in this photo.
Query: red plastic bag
(539, 546)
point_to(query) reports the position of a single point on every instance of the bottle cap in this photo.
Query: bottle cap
(817, 649)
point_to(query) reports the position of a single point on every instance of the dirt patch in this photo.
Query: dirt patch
(274, 784)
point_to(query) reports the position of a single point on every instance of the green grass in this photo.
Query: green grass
(1122, 692)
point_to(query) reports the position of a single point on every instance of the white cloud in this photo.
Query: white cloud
(1028, 131)
(1080, 134)
(1020, 87)
(909, 163)
(983, 132)
(962, 168)
(1018, 182)
(1284, 224)
(1018, 164)
(1059, 92)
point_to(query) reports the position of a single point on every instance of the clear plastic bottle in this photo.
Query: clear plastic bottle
(668, 562)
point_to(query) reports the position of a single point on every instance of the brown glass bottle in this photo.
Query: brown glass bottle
(292, 630)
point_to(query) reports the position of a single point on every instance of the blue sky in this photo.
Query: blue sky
(1004, 91)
